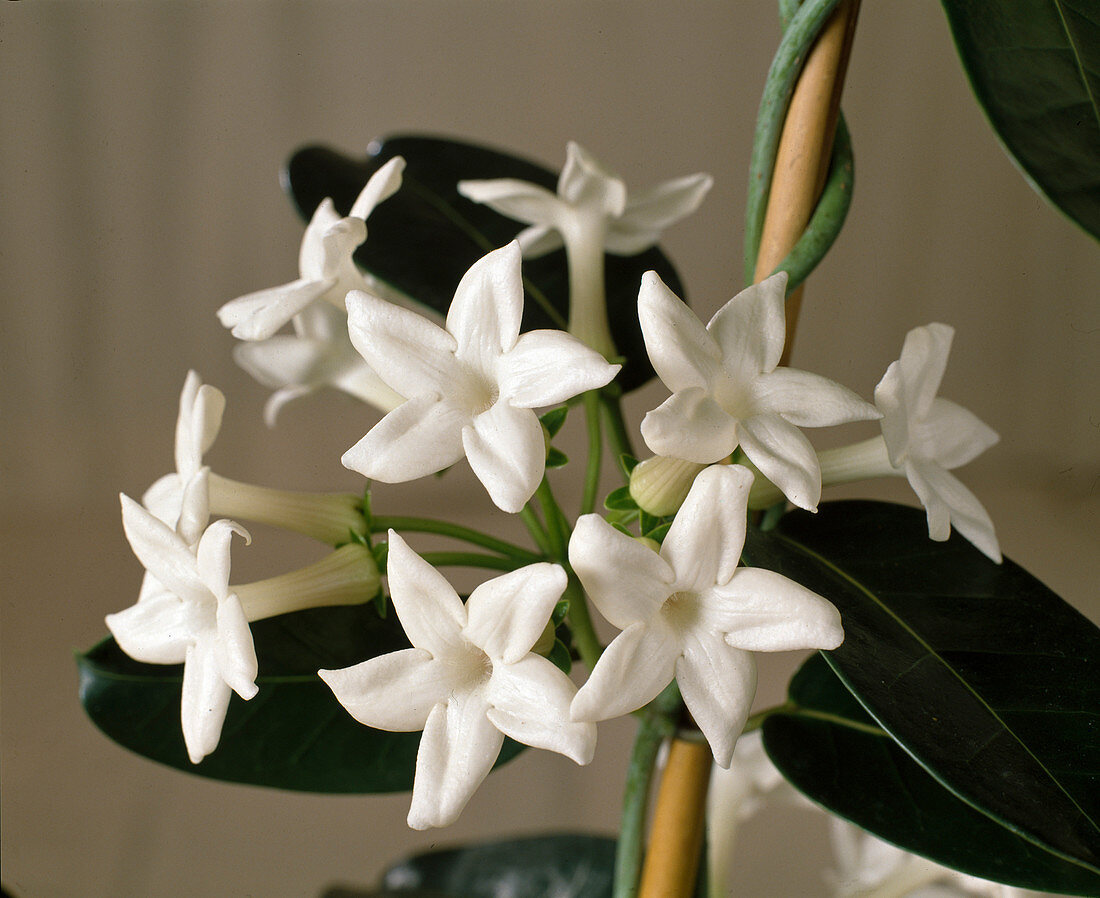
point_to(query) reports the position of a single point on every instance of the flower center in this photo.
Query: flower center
(681, 609)
(479, 393)
(732, 396)
(473, 667)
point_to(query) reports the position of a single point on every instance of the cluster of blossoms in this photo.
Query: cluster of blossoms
(727, 440)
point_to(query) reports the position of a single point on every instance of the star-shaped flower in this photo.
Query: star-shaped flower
(691, 613)
(727, 390)
(589, 192)
(927, 436)
(471, 388)
(187, 613)
(326, 269)
(197, 426)
(469, 680)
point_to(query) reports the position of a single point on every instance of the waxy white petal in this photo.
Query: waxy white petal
(235, 650)
(952, 435)
(784, 456)
(484, 317)
(457, 751)
(703, 545)
(948, 497)
(420, 437)
(751, 328)
(718, 684)
(547, 367)
(507, 451)
(508, 614)
(204, 701)
(410, 353)
(923, 361)
(430, 611)
(682, 352)
(260, 315)
(198, 424)
(158, 628)
(383, 184)
(529, 702)
(631, 672)
(692, 426)
(585, 182)
(517, 199)
(649, 212)
(162, 552)
(630, 590)
(762, 611)
(393, 692)
(809, 400)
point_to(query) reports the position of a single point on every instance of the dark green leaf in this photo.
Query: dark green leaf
(554, 419)
(292, 735)
(1035, 68)
(620, 500)
(628, 463)
(988, 679)
(424, 238)
(834, 752)
(564, 866)
(560, 656)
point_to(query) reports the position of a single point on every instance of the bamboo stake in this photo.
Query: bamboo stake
(801, 166)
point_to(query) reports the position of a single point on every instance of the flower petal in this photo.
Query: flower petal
(966, 513)
(718, 684)
(936, 510)
(704, 543)
(410, 353)
(164, 498)
(890, 399)
(457, 751)
(626, 580)
(784, 456)
(508, 613)
(194, 511)
(809, 400)
(204, 700)
(546, 367)
(529, 701)
(762, 611)
(212, 555)
(430, 611)
(235, 650)
(692, 426)
(159, 628)
(751, 329)
(311, 253)
(923, 361)
(383, 184)
(419, 437)
(538, 240)
(484, 316)
(951, 435)
(584, 181)
(517, 199)
(257, 316)
(631, 672)
(683, 354)
(393, 692)
(648, 212)
(507, 451)
(163, 552)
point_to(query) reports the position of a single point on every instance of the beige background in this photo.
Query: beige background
(142, 144)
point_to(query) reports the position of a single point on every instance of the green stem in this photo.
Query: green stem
(786, 65)
(381, 524)
(658, 722)
(793, 709)
(557, 526)
(469, 559)
(617, 431)
(580, 623)
(537, 531)
(595, 451)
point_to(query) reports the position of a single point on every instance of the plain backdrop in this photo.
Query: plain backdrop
(142, 144)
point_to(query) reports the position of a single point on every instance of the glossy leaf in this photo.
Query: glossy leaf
(563, 866)
(1035, 68)
(422, 240)
(292, 735)
(989, 680)
(836, 754)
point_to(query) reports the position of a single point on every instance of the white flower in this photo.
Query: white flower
(868, 867)
(318, 354)
(691, 613)
(197, 426)
(927, 436)
(186, 613)
(587, 190)
(471, 388)
(469, 680)
(727, 391)
(326, 268)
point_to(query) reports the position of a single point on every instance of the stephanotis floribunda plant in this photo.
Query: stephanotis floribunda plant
(473, 324)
